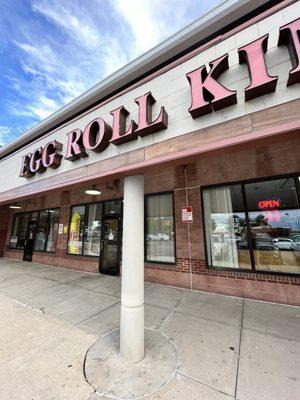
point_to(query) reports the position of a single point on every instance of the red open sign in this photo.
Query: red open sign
(270, 204)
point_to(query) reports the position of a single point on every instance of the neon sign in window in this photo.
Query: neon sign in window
(270, 209)
(269, 204)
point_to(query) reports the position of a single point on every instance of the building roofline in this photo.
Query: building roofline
(213, 21)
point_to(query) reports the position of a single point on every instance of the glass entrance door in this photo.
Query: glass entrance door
(29, 241)
(111, 246)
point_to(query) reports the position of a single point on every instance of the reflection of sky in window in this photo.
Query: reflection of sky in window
(288, 219)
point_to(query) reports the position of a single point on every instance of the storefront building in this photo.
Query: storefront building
(211, 121)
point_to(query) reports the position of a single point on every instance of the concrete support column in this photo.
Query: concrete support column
(132, 298)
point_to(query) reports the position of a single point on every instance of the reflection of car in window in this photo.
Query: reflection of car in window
(296, 246)
(259, 242)
(284, 243)
(157, 236)
(243, 245)
(297, 250)
(264, 243)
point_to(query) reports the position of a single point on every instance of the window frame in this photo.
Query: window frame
(37, 223)
(86, 220)
(146, 232)
(242, 183)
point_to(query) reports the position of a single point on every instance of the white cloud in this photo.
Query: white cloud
(113, 57)
(139, 15)
(62, 70)
(39, 112)
(41, 55)
(53, 82)
(5, 134)
(29, 69)
(67, 47)
(79, 27)
(152, 21)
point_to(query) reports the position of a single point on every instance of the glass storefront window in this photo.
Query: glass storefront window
(274, 219)
(53, 229)
(45, 233)
(23, 231)
(86, 231)
(41, 232)
(93, 230)
(271, 215)
(76, 230)
(14, 238)
(278, 193)
(160, 244)
(226, 231)
(112, 207)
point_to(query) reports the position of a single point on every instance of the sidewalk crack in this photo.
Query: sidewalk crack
(239, 352)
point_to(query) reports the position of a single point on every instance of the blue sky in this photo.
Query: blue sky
(52, 51)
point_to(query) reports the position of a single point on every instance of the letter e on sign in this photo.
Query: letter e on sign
(187, 214)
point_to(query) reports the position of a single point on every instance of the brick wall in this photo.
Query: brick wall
(267, 159)
(190, 271)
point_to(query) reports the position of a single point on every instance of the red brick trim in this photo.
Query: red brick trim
(197, 267)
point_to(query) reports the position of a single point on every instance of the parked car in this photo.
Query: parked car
(157, 236)
(243, 244)
(264, 243)
(259, 242)
(296, 245)
(284, 243)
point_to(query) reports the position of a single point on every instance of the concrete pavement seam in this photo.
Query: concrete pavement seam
(204, 384)
(99, 312)
(273, 335)
(239, 351)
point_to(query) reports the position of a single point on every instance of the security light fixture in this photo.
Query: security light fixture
(93, 191)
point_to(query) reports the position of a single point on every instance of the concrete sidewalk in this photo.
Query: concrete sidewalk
(229, 348)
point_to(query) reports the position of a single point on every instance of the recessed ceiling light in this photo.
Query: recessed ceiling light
(15, 206)
(93, 191)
